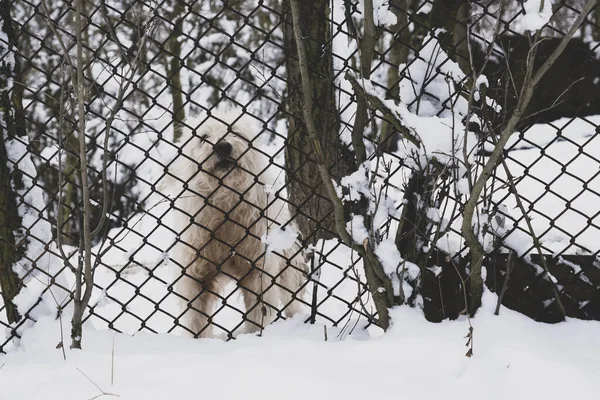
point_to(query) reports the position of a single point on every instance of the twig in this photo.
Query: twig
(509, 268)
(474, 78)
(112, 364)
(111, 33)
(59, 309)
(315, 276)
(103, 393)
(62, 336)
(60, 41)
(69, 62)
(81, 303)
(59, 211)
(123, 89)
(469, 336)
(366, 45)
(536, 241)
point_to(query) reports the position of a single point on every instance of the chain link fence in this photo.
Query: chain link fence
(156, 75)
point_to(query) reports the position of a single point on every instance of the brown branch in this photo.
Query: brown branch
(509, 268)
(366, 45)
(367, 42)
(60, 41)
(475, 75)
(111, 33)
(81, 303)
(60, 211)
(536, 241)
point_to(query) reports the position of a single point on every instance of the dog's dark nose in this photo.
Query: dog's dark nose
(223, 148)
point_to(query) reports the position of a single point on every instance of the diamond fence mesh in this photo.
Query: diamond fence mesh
(222, 217)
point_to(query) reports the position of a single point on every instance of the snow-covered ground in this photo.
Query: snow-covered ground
(514, 358)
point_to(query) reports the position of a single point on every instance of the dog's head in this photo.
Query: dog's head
(222, 149)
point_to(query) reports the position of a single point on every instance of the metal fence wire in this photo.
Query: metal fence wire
(156, 76)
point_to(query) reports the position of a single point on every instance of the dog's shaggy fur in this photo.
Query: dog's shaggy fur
(221, 214)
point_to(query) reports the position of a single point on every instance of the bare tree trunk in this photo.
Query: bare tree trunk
(174, 69)
(398, 55)
(12, 125)
(306, 191)
(596, 28)
(85, 267)
(10, 221)
(459, 37)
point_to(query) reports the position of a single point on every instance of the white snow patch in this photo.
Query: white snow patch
(382, 14)
(509, 348)
(39, 266)
(279, 239)
(463, 186)
(537, 14)
(357, 183)
(388, 254)
(356, 227)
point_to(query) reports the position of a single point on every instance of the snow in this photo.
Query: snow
(555, 171)
(356, 227)
(426, 89)
(482, 80)
(382, 13)
(38, 267)
(514, 358)
(463, 186)
(388, 254)
(563, 129)
(52, 155)
(559, 181)
(425, 7)
(357, 183)
(537, 14)
(345, 49)
(279, 239)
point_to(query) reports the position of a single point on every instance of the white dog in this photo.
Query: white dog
(221, 213)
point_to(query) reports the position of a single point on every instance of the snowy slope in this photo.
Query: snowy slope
(515, 358)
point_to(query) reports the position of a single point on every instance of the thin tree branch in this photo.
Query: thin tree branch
(536, 241)
(111, 33)
(123, 89)
(60, 41)
(81, 305)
